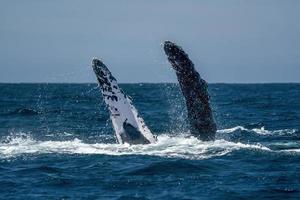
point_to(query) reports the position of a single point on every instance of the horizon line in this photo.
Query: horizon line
(291, 82)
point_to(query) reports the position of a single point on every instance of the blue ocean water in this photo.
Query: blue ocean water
(57, 142)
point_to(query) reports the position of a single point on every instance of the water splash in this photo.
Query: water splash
(260, 131)
(178, 146)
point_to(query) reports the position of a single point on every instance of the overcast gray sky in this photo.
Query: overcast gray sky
(229, 41)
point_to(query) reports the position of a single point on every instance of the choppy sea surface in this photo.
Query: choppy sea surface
(57, 142)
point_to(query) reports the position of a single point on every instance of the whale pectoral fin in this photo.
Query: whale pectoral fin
(126, 123)
(194, 89)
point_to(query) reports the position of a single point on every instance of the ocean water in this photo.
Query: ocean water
(57, 142)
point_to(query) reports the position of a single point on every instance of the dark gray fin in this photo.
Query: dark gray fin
(194, 89)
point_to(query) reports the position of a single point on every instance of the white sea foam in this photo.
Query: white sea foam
(231, 130)
(260, 131)
(166, 146)
(179, 145)
(291, 150)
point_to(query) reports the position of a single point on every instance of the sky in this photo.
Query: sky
(232, 41)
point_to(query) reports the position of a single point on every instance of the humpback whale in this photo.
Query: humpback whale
(128, 126)
(194, 89)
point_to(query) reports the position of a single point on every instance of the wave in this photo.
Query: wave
(178, 146)
(166, 146)
(260, 131)
(24, 112)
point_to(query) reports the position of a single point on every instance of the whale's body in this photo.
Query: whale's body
(194, 89)
(128, 126)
